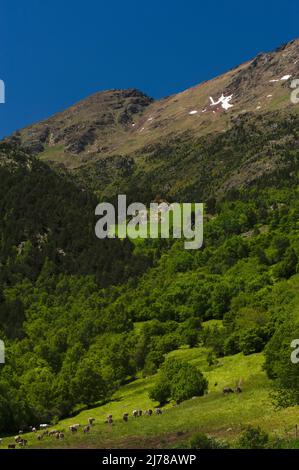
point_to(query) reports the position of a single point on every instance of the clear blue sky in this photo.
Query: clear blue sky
(55, 52)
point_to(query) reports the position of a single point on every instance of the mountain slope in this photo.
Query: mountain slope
(45, 216)
(77, 321)
(121, 122)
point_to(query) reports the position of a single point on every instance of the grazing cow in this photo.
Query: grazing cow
(158, 411)
(150, 412)
(109, 419)
(33, 429)
(11, 446)
(74, 427)
(18, 439)
(86, 429)
(135, 413)
(23, 442)
(126, 417)
(140, 413)
(44, 426)
(238, 389)
(61, 435)
(91, 421)
(227, 390)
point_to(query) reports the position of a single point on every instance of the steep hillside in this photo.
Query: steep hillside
(45, 216)
(85, 320)
(93, 126)
(260, 151)
(121, 122)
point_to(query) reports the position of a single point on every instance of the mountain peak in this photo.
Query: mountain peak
(119, 122)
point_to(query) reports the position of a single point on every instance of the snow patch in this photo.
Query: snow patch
(193, 112)
(285, 77)
(223, 100)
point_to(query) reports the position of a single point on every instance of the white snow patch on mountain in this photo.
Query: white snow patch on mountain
(223, 100)
(285, 77)
(193, 112)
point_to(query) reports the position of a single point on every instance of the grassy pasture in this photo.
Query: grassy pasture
(218, 415)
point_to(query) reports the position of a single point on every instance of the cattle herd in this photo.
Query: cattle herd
(73, 428)
(59, 434)
(135, 414)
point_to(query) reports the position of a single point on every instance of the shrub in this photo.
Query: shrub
(202, 441)
(251, 341)
(160, 392)
(253, 438)
(179, 381)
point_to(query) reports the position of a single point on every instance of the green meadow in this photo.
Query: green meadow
(221, 416)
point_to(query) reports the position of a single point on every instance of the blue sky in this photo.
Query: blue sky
(54, 53)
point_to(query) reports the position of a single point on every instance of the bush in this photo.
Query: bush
(202, 441)
(179, 381)
(279, 366)
(160, 392)
(253, 438)
(231, 344)
(251, 341)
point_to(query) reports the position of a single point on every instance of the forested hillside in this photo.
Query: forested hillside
(69, 335)
(82, 317)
